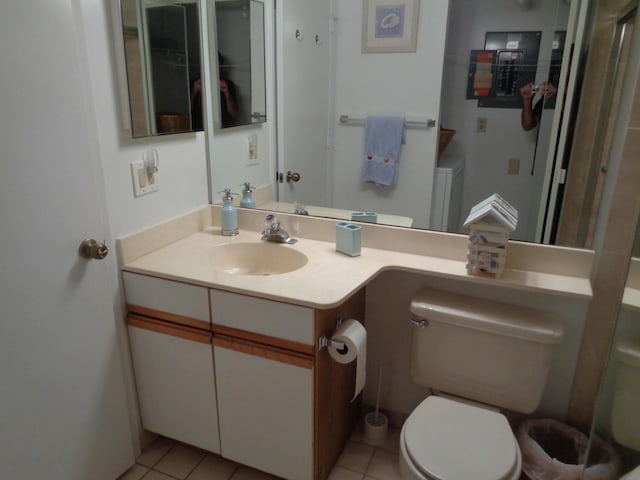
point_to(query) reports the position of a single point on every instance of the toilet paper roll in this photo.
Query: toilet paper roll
(354, 336)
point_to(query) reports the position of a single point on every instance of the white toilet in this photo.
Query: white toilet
(625, 409)
(479, 351)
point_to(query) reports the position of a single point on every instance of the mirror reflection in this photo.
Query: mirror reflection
(239, 57)
(463, 139)
(436, 183)
(460, 145)
(163, 62)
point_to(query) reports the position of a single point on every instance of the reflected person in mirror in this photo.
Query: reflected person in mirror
(530, 117)
(228, 102)
(196, 104)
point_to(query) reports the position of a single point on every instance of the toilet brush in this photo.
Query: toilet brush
(376, 424)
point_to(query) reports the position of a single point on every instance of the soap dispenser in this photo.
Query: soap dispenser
(247, 200)
(229, 219)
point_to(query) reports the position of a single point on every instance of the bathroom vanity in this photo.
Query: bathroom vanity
(241, 376)
(225, 331)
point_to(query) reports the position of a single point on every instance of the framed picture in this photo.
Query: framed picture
(389, 26)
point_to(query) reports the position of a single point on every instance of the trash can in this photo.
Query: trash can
(552, 450)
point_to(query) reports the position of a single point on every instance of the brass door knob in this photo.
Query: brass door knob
(293, 176)
(89, 248)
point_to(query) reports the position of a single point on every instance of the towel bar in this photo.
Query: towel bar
(360, 120)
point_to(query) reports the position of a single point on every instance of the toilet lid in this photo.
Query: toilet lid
(451, 440)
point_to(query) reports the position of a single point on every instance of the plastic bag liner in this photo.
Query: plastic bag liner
(552, 450)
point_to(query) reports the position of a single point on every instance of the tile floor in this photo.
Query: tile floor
(167, 459)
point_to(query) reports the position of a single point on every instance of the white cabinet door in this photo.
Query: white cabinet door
(175, 382)
(265, 401)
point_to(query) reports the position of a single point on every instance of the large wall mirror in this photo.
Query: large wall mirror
(238, 57)
(163, 63)
(326, 86)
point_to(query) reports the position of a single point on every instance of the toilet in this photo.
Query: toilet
(625, 408)
(481, 356)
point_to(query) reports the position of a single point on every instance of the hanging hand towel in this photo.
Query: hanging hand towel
(383, 137)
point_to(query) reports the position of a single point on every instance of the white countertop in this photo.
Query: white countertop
(325, 281)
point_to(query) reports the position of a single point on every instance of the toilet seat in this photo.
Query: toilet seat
(447, 440)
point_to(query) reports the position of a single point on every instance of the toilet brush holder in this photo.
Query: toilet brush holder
(376, 427)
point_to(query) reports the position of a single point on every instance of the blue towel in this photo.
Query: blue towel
(383, 137)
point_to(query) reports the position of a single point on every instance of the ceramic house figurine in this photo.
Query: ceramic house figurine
(490, 223)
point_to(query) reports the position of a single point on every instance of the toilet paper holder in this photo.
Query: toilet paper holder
(325, 341)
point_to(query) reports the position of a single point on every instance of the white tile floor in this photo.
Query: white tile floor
(167, 459)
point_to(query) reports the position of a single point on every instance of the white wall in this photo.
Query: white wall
(183, 171)
(389, 338)
(391, 84)
(487, 154)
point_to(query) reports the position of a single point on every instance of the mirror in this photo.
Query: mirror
(490, 152)
(326, 86)
(239, 57)
(163, 65)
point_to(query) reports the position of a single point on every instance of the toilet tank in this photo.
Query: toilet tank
(482, 350)
(625, 408)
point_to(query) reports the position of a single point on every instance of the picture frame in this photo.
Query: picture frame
(389, 26)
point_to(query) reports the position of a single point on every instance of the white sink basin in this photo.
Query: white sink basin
(256, 258)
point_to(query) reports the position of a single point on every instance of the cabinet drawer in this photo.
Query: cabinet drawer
(265, 317)
(172, 301)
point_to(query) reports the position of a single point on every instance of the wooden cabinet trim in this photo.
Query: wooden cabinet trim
(264, 351)
(169, 317)
(180, 331)
(335, 415)
(264, 339)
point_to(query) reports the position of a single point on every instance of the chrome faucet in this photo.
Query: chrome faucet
(273, 232)
(299, 209)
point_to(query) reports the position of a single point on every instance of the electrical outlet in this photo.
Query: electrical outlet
(143, 181)
(514, 166)
(481, 125)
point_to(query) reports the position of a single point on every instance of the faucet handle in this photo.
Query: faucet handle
(271, 221)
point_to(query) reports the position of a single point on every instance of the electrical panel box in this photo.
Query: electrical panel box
(508, 61)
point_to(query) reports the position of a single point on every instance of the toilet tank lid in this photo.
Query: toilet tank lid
(628, 351)
(487, 315)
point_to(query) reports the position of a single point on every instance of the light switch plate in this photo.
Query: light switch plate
(143, 183)
(481, 125)
(514, 166)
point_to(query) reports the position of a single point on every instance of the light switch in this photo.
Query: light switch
(142, 178)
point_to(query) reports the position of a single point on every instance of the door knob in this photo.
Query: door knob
(293, 177)
(89, 248)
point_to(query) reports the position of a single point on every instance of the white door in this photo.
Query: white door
(63, 411)
(303, 99)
